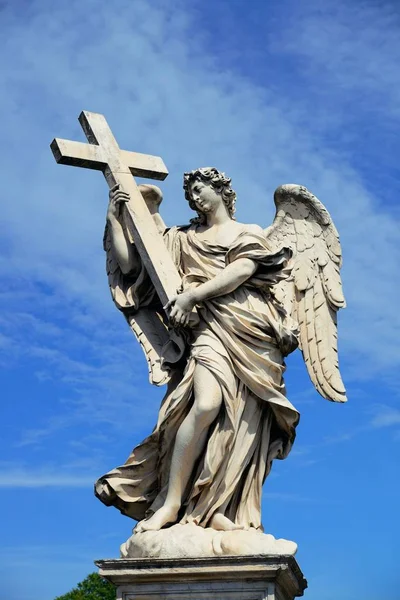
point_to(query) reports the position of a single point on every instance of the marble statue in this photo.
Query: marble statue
(258, 294)
(247, 298)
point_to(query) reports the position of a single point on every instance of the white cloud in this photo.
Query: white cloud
(362, 67)
(146, 66)
(386, 416)
(150, 73)
(101, 373)
(28, 477)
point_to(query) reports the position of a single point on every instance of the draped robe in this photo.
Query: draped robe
(241, 338)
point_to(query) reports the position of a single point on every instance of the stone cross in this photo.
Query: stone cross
(102, 153)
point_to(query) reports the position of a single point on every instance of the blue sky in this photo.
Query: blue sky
(270, 92)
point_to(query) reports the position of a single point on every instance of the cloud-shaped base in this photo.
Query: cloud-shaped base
(192, 541)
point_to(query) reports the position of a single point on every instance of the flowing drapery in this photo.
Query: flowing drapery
(241, 339)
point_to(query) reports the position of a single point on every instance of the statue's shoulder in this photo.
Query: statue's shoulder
(176, 229)
(173, 236)
(250, 228)
(254, 228)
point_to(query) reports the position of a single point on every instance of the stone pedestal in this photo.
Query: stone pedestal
(220, 578)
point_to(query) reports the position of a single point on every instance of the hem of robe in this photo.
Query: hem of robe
(239, 436)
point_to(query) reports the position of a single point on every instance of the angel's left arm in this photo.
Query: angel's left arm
(230, 278)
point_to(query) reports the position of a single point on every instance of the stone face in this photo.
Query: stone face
(233, 578)
(190, 541)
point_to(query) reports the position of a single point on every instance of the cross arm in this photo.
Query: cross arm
(97, 131)
(145, 165)
(78, 154)
(91, 156)
(103, 154)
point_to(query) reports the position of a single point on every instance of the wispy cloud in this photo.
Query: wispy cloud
(372, 418)
(237, 127)
(62, 320)
(386, 416)
(355, 69)
(101, 374)
(29, 477)
(327, 119)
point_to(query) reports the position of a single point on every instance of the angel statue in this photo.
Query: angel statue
(249, 297)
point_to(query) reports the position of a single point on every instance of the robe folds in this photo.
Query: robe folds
(241, 338)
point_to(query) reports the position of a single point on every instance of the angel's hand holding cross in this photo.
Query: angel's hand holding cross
(117, 199)
(181, 307)
(123, 250)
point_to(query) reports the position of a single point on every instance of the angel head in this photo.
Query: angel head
(209, 183)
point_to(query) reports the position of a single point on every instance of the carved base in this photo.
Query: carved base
(187, 541)
(222, 578)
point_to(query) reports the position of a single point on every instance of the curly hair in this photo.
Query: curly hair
(218, 181)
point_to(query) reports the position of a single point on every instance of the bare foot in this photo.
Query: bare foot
(162, 516)
(222, 523)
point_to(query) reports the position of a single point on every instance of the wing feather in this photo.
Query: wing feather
(151, 332)
(147, 324)
(313, 294)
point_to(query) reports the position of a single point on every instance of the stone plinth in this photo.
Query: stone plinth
(220, 578)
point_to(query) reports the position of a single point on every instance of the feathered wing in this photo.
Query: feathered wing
(313, 294)
(147, 324)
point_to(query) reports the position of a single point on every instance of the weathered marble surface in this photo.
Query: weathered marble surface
(216, 305)
(189, 541)
(259, 294)
(233, 578)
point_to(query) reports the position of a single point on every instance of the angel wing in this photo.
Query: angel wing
(147, 324)
(313, 294)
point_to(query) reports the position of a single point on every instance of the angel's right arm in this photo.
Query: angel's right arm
(122, 248)
(124, 251)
